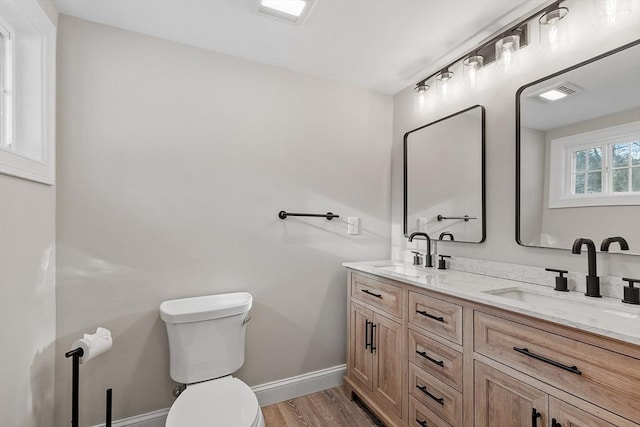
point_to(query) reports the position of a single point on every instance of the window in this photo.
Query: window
(27, 91)
(597, 168)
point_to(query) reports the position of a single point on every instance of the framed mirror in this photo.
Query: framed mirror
(578, 153)
(444, 184)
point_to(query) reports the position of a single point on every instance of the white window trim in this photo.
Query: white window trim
(11, 162)
(560, 167)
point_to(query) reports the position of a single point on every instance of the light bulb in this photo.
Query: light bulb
(443, 83)
(554, 31)
(507, 52)
(419, 94)
(472, 70)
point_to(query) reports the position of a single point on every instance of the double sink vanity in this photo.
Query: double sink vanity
(450, 348)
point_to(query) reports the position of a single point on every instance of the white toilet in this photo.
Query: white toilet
(206, 344)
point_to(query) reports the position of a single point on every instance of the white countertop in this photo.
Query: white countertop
(604, 316)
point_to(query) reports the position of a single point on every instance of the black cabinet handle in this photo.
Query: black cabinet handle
(368, 292)
(437, 362)
(366, 333)
(373, 334)
(555, 423)
(422, 423)
(534, 417)
(526, 352)
(423, 389)
(431, 316)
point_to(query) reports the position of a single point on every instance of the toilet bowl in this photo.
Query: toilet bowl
(225, 402)
(206, 345)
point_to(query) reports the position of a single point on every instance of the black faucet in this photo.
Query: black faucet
(446, 234)
(427, 257)
(593, 281)
(604, 247)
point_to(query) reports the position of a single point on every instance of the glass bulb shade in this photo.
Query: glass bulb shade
(554, 29)
(608, 11)
(508, 52)
(444, 87)
(419, 95)
(472, 70)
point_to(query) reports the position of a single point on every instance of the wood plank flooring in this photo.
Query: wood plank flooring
(327, 408)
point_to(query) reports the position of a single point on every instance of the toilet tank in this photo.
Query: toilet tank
(206, 335)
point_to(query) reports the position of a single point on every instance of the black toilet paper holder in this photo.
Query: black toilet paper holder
(76, 354)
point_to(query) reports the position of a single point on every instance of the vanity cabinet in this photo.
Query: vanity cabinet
(377, 344)
(419, 357)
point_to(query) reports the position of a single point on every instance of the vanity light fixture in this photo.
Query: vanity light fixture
(608, 11)
(554, 27)
(472, 70)
(419, 94)
(508, 52)
(442, 80)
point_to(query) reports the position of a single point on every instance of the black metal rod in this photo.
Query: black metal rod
(373, 334)
(108, 409)
(424, 354)
(534, 417)
(76, 353)
(366, 333)
(526, 352)
(431, 316)
(423, 389)
(368, 292)
(466, 217)
(328, 215)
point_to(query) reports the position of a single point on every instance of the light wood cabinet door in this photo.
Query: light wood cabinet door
(564, 415)
(502, 400)
(361, 356)
(387, 362)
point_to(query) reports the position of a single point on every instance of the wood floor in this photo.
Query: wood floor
(328, 408)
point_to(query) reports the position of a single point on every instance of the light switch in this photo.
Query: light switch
(353, 225)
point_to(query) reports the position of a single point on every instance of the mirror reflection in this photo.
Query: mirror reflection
(579, 153)
(444, 178)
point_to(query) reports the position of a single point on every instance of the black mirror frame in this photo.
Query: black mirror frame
(483, 142)
(518, 133)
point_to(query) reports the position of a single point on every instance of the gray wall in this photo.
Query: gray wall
(173, 163)
(498, 96)
(27, 297)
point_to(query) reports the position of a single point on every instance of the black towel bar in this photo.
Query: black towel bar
(328, 215)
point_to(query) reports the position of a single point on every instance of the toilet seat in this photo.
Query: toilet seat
(226, 401)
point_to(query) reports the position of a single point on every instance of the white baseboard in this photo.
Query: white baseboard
(300, 385)
(267, 394)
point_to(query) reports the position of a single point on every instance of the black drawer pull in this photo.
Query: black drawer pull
(423, 389)
(555, 423)
(373, 327)
(526, 352)
(437, 362)
(368, 292)
(431, 316)
(366, 333)
(422, 423)
(534, 417)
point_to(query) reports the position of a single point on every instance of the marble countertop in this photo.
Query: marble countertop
(604, 316)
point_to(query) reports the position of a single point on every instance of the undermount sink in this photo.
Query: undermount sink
(403, 269)
(573, 303)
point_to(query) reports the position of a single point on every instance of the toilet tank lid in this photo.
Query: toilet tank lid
(206, 307)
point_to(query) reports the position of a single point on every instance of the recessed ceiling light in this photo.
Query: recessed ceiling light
(552, 95)
(291, 7)
(294, 11)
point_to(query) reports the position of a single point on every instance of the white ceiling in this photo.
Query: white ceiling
(384, 45)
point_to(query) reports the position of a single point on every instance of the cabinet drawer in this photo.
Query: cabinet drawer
(602, 377)
(440, 317)
(384, 296)
(438, 397)
(420, 415)
(436, 359)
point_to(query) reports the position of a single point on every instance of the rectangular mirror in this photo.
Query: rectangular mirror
(444, 190)
(578, 153)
